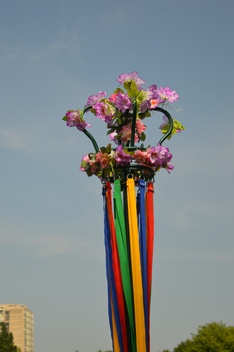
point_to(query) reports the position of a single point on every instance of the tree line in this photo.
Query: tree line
(212, 337)
(7, 340)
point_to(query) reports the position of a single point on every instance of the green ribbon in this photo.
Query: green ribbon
(124, 259)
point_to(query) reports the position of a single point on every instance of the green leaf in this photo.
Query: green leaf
(143, 136)
(117, 90)
(145, 114)
(131, 88)
(140, 97)
(103, 149)
(64, 118)
(110, 130)
(177, 127)
(108, 148)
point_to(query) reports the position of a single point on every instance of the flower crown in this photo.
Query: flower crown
(124, 112)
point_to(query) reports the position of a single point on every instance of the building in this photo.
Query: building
(19, 321)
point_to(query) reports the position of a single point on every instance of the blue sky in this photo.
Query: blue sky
(53, 55)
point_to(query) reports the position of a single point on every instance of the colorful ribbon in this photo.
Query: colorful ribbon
(129, 238)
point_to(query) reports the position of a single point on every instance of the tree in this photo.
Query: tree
(7, 340)
(213, 337)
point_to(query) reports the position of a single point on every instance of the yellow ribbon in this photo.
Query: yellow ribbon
(136, 267)
(114, 331)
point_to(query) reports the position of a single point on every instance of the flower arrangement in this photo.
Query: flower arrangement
(124, 112)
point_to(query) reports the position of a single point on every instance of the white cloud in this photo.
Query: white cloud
(206, 157)
(13, 139)
(42, 243)
(204, 255)
(65, 42)
(11, 52)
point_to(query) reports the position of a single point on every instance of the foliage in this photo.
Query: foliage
(7, 340)
(213, 337)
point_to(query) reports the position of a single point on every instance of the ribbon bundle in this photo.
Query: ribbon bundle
(129, 238)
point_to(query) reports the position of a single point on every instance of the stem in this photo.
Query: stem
(96, 147)
(134, 113)
(88, 134)
(170, 119)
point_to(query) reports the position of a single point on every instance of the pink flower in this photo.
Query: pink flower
(113, 136)
(128, 77)
(167, 94)
(145, 105)
(121, 101)
(103, 159)
(141, 157)
(125, 134)
(93, 99)
(84, 163)
(113, 97)
(154, 103)
(154, 155)
(151, 96)
(169, 167)
(152, 92)
(140, 127)
(160, 157)
(122, 158)
(88, 163)
(104, 111)
(75, 119)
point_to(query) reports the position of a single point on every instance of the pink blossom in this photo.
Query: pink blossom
(169, 167)
(122, 158)
(104, 111)
(167, 94)
(121, 101)
(103, 159)
(133, 76)
(160, 157)
(87, 161)
(125, 134)
(152, 92)
(154, 103)
(113, 97)
(145, 105)
(141, 157)
(84, 163)
(113, 136)
(151, 95)
(140, 127)
(75, 119)
(93, 168)
(93, 99)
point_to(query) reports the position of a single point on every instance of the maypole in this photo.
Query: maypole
(127, 174)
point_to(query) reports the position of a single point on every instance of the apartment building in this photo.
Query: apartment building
(19, 321)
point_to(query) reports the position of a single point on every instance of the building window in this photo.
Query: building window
(7, 315)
